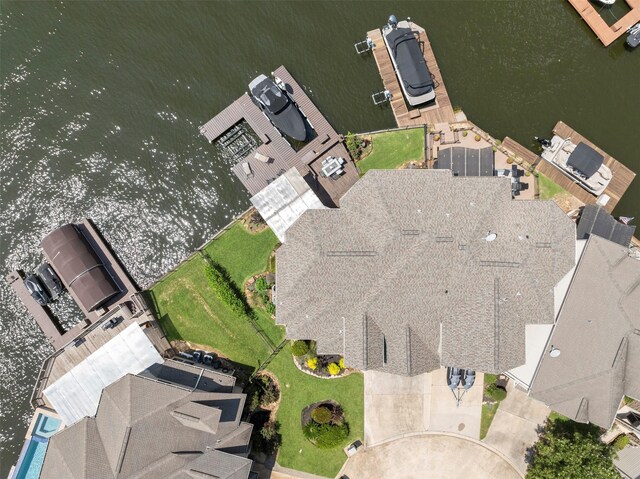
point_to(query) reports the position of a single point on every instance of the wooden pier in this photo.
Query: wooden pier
(439, 112)
(282, 156)
(607, 34)
(621, 175)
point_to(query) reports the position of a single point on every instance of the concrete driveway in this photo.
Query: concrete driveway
(515, 425)
(430, 456)
(399, 405)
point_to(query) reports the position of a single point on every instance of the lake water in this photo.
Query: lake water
(101, 103)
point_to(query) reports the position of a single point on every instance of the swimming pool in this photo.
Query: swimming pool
(35, 447)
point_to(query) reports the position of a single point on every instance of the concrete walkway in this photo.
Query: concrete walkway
(430, 456)
(399, 405)
(515, 426)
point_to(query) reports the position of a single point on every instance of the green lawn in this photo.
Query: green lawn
(189, 310)
(548, 189)
(391, 149)
(300, 390)
(488, 411)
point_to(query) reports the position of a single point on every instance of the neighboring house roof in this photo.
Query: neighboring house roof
(284, 200)
(627, 462)
(77, 393)
(598, 336)
(595, 220)
(79, 267)
(402, 277)
(149, 429)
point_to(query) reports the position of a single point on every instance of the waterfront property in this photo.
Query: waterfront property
(276, 155)
(146, 427)
(405, 287)
(430, 113)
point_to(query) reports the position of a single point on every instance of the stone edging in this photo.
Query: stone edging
(450, 434)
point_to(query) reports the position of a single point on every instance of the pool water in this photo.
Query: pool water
(46, 426)
(32, 460)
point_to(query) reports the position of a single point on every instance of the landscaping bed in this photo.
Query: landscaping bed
(491, 398)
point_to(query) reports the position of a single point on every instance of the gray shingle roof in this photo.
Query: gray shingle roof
(597, 333)
(144, 428)
(404, 261)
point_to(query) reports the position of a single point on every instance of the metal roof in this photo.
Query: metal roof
(466, 161)
(79, 267)
(595, 220)
(407, 261)
(76, 394)
(284, 201)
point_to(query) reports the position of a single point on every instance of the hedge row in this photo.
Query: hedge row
(225, 291)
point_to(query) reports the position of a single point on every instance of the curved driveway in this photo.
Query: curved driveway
(430, 456)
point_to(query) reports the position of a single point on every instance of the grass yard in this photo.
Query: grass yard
(548, 189)
(391, 149)
(189, 310)
(488, 411)
(300, 390)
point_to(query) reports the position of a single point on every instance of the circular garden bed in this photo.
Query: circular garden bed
(324, 425)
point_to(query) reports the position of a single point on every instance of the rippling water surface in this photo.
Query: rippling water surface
(101, 103)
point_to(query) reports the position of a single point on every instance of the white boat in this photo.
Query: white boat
(579, 162)
(408, 61)
(606, 3)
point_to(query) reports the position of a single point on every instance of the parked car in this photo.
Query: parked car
(36, 290)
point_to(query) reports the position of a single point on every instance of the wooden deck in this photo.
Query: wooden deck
(620, 182)
(405, 115)
(607, 34)
(283, 157)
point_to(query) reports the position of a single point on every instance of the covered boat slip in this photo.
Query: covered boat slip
(255, 173)
(585, 159)
(412, 68)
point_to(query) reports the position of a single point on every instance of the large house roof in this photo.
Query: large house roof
(404, 277)
(149, 429)
(599, 317)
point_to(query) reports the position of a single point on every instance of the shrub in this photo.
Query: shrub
(465, 133)
(333, 369)
(477, 137)
(436, 137)
(321, 415)
(261, 285)
(269, 430)
(224, 290)
(621, 442)
(495, 393)
(312, 363)
(270, 308)
(299, 348)
(527, 173)
(341, 363)
(255, 402)
(326, 436)
(353, 142)
(270, 395)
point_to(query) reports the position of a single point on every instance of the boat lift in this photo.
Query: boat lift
(381, 97)
(364, 46)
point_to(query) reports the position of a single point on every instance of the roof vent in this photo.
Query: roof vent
(555, 352)
(490, 237)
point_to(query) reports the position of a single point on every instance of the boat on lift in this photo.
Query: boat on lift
(580, 162)
(274, 101)
(633, 40)
(605, 3)
(413, 73)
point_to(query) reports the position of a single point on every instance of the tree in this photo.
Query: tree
(572, 451)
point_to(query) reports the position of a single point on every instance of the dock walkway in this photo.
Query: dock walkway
(405, 115)
(307, 160)
(607, 34)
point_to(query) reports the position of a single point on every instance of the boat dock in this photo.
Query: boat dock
(439, 112)
(621, 175)
(275, 155)
(607, 34)
(47, 322)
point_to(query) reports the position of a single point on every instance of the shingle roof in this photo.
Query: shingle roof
(595, 220)
(600, 316)
(405, 261)
(145, 428)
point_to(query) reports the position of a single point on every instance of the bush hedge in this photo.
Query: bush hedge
(224, 290)
(326, 436)
(299, 348)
